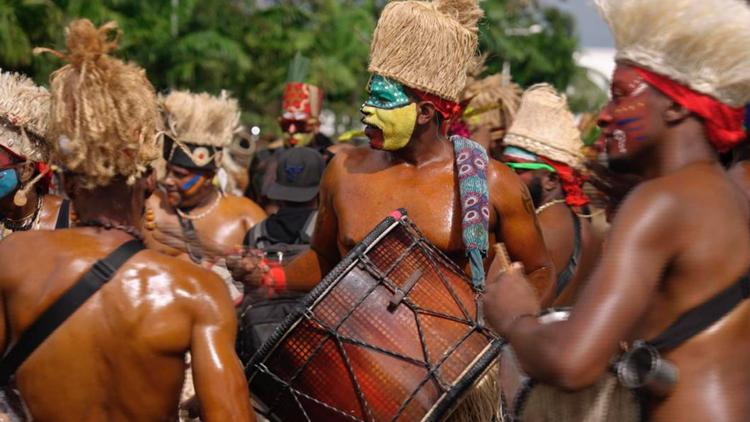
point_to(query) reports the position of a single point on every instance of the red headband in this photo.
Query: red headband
(724, 124)
(571, 181)
(448, 109)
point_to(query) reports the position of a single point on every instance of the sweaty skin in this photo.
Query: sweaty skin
(361, 186)
(120, 357)
(556, 222)
(219, 232)
(559, 237)
(678, 239)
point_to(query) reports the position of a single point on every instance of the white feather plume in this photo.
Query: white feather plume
(703, 44)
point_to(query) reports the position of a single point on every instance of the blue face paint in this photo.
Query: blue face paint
(8, 181)
(190, 183)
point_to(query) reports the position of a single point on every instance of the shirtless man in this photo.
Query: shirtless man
(190, 218)
(668, 251)
(120, 356)
(544, 147)
(411, 164)
(24, 178)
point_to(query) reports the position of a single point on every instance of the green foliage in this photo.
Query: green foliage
(246, 49)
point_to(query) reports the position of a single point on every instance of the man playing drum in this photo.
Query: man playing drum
(120, 354)
(418, 60)
(679, 240)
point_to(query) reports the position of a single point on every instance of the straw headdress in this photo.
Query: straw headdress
(545, 126)
(103, 112)
(24, 113)
(201, 119)
(493, 101)
(427, 45)
(701, 44)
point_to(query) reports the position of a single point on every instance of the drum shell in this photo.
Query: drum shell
(351, 355)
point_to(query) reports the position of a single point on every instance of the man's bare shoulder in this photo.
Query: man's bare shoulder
(506, 189)
(181, 274)
(244, 206)
(354, 159)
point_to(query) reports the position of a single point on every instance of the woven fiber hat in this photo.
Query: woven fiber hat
(545, 126)
(24, 113)
(493, 101)
(701, 44)
(428, 46)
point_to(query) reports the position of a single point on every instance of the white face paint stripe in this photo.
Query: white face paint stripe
(639, 89)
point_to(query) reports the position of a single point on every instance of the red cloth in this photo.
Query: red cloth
(724, 124)
(571, 181)
(448, 109)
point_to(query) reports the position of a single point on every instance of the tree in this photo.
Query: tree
(245, 46)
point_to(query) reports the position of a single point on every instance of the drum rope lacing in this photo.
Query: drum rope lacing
(332, 333)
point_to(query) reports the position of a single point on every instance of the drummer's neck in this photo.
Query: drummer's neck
(426, 146)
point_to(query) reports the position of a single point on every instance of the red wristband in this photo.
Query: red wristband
(275, 278)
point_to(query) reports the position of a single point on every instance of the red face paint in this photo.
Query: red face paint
(6, 158)
(625, 119)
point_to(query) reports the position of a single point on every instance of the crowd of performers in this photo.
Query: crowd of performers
(137, 228)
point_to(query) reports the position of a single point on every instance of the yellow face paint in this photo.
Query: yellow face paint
(300, 139)
(396, 126)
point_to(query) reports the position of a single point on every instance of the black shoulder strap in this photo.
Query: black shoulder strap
(64, 307)
(192, 243)
(703, 316)
(63, 215)
(570, 269)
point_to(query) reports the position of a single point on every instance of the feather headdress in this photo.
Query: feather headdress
(701, 44)
(427, 45)
(201, 119)
(24, 114)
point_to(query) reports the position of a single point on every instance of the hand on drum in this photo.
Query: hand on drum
(248, 266)
(508, 296)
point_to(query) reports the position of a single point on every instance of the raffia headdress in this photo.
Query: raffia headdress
(427, 45)
(103, 112)
(545, 126)
(199, 126)
(702, 44)
(493, 101)
(24, 113)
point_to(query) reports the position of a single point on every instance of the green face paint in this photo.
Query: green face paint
(386, 93)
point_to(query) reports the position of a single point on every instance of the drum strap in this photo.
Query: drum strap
(703, 316)
(101, 272)
(63, 215)
(570, 269)
(471, 165)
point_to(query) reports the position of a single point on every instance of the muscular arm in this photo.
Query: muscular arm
(519, 229)
(575, 353)
(217, 373)
(306, 270)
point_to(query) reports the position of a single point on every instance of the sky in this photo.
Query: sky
(591, 28)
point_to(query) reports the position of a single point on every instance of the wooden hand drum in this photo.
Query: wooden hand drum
(391, 334)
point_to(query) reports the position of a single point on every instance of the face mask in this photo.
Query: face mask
(8, 181)
(390, 110)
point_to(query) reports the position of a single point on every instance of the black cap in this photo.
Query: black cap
(297, 175)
